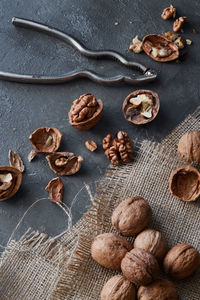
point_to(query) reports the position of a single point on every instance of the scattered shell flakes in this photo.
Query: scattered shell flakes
(16, 161)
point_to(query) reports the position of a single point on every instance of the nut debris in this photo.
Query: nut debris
(168, 13)
(55, 188)
(188, 42)
(16, 161)
(10, 182)
(136, 45)
(32, 155)
(178, 23)
(91, 145)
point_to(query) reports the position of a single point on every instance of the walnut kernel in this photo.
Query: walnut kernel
(136, 45)
(168, 13)
(178, 23)
(91, 145)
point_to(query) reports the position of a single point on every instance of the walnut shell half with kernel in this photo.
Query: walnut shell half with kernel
(10, 182)
(189, 146)
(160, 48)
(184, 183)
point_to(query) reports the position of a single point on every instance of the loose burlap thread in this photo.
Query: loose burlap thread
(41, 267)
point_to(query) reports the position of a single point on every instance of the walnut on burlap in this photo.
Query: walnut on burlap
(39, 267)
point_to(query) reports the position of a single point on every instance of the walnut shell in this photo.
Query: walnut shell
(131, 216)
(184, 183)
(108, 250)
(133, 115)
(118, 288)
(152, 241)
(159, 42)
(181, 261)
(189, 146)
(10, 182)
(139, 266)
(160, 289)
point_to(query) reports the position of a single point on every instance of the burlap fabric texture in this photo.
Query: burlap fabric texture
(40, 267)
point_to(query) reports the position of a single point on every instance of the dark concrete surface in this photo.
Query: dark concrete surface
(27, 107)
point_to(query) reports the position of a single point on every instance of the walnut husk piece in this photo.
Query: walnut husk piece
(46, 139)
(168, 13)
(16, 161)
(55, 188)
(184, 183)
(160, 289)
(189, 146)
(64, 163)
(85, 112)
(118, 288)
(181, 261)
(10, 182)
(109, 249)
(139, 266)
(160, 48)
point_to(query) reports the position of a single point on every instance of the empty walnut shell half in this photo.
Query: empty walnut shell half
(135, 112)
(46, 139)
(189, 146)
(184, 183)
(85, 112)
(10, 181)
(159, 48)
(64, 163)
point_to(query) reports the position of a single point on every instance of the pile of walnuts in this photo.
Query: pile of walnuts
(140, 263)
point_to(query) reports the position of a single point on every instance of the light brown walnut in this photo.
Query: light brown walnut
(189, 146)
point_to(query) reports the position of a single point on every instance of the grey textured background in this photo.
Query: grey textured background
(27, 107)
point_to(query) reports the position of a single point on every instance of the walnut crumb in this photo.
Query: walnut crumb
(116, 23)
(136, 45)
(188, 42)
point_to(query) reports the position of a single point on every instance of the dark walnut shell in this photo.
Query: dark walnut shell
(85, 112)
(160, 289)
(109, 249)
(133, 115)
(189, 146)
(10, 181)
(139, 266)
(152, 241)
(159, 42)
(181, 261)
(64, 163)
(118, 288)
(131, 216)
(46, 139)
(184, 183)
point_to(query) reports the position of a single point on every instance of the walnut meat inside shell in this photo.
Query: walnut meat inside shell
(184, 183)
(118, 288)
(181, 261)
(189, 146)
(10, 181)
(108, 250)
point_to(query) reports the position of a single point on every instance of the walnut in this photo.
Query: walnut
(91, 145)
(139, 266)
(55, 188)
(136, 45)
(10, 182)
(181, 261)
(178, 23)
(189, 146)
(85, 112)
(171, 36)
(168, 13)
(184, 183)
(46, 139)
(108, 250)
(179, 42)
(131, 216)
(64, 163)
(118, 288)
(16, 161)
(118, 148)
(160, 289)
(152, 241)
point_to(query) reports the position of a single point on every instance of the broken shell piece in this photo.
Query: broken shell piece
(178, 23)
(184, 183)
(159, 48)
(16, 161)
(10, 181)
(91, 145)
(136, 45)
(32, 155)
(168, 13)
(46, 139)
(64, 163)
(55, 188)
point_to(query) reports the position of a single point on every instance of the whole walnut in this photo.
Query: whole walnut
(131, 216)
(181, 261)
(189, 146)
(118, 288)
(108, 250)
(152, 241)
(139, 266)
(160, 289)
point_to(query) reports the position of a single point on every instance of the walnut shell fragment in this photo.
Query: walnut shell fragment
(16, 161)
(141, 107)
(85, 112)
(64, 163)
(160, 48)
(109, 249)
(32, 155)
(55, 188)
(189, 146)
(46, 139)
(91, 145)
(181, 261)
(10, 182)
(184, 183)
(118, 288)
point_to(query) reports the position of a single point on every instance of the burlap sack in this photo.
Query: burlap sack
(39, 267)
